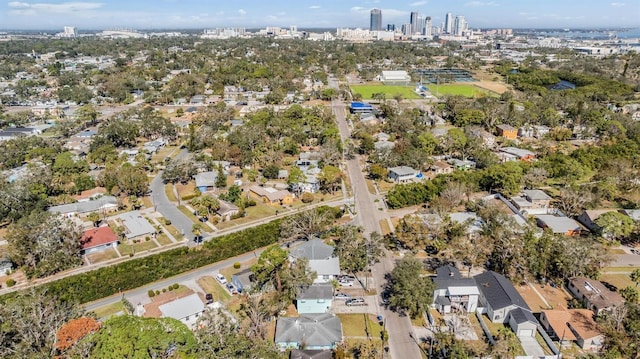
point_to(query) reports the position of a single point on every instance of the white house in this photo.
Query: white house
(454, 292)
(402, 174)
(321, 259)
(187, 309)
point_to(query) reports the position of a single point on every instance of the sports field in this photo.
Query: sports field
(390, 91)
(455, 89)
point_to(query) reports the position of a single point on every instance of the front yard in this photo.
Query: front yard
(359, 325)
(128, 248)
(210, 285)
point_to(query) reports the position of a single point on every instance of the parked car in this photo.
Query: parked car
(342, 296)
(232, 288)
(209, 298)
(346, 278)
(359, 301)
(220, 278)
(345, 283)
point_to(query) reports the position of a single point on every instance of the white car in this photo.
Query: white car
(346, 283)
(220, 278)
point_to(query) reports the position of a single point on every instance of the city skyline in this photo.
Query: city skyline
(94, 15)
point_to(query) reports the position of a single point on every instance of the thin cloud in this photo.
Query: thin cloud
(314, 7)
(617, 4)
(242, 12)
(481, 3)
(418, 3)
(25, 8)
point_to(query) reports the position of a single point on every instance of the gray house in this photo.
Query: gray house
(321, 259)
(206, 181)
(311, 331)
(503, 304)
(402, 174)
(243, 280)
(454, 292)
(102, 204)
(315, 299)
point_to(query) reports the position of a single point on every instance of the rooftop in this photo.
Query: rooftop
(95, 237)
(183, 307)
(403, 170)
(316, 291)
(536, 195)
(135, 224)
(314, 330)
(312, 249)
(499, 291)
(558, 224)
(599, 295)
(579, 322)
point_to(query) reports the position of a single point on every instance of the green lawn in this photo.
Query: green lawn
(353, 325)
(168, 189)
(194, 219)
(368, 90)
(163, 239)
(126, 249)
(109, 310)
(455, 89)
(210, 285)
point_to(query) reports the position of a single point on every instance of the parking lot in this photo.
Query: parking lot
(340, 306)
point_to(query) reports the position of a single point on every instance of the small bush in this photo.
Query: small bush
(170, 288)
(130, 254)
(167, 222)
(307, 197)
(151, 293)
(164, 290)
(147, 239)
(236, 265)
(176, 286)
(11, 282)
(157, 292)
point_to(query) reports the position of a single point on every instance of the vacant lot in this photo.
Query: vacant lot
(390, 91)
(355, 325)
(555, 297)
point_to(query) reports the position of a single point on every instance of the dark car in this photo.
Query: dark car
(209, 298)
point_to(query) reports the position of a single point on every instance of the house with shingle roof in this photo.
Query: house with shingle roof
(573, 325)
(321, 259)
(309, 331)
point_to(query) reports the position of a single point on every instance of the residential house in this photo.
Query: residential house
(441, 168)
(321, 259)
(573, 325)
(10, 133)
(135, 225)
(507, 131)
(462, 164)
(91, 194)
(187, 309)
(474, 222)
(272, 196)
(243, 280)
(309, 331)
(384, 145)
(512, 153)
(98, 239)
(454, 292)
(6, 266)
(311, 354)
(532, 199)
(154, 146)
(588, 217)
(315, 299)
(559, 225)
(502, 303)
(227, 210)
(206, 181)
(533, 131)
(594, 294)
(488, 139)
(103, 204)
(402, 174)
(633, 213)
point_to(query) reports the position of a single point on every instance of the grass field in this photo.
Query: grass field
(368, 90)
(455, 89)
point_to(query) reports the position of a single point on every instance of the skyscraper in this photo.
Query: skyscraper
(376, 20)
(460, 25)
(427, 26)
(448, 23)
(415, 24)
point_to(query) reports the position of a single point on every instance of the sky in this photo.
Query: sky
(163, 14)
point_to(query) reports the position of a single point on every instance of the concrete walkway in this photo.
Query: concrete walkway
(531, 347)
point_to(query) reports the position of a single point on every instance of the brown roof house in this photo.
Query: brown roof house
(98, 239)
(272, 196)
(573, 325)
(594, 294)
(507, 131)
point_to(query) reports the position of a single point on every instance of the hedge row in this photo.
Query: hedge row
(135, 273)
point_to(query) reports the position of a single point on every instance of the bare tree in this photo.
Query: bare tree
(572, 201)
(304, 224)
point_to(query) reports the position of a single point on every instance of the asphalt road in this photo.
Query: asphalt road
(169, 209)
(401, 344)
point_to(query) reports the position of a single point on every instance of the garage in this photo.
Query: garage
(525, 333)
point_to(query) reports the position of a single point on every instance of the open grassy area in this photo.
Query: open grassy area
(126, 249)
(102, 256)
(168, 189)
(186, 191)
(619, 281)
(210, 285)
(260, 210)
(163, 239)
(109, 310)
(194, 219)
(390, 91)
(456, 89)
(353, 325)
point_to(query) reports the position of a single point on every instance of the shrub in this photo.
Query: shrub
(176, 285)
(164, 290)
(11, 282)
(130, 254)
(147, 239)
(157, 292)
(236, 265)
(307, 197)
(170, 288)
(151, 293)
(167, 222)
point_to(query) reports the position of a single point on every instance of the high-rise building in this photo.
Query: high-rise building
(460, 25)
(448, 23)
(70, 31)
(415, 24)
(427, 26)
(391, 27)
(376, 20)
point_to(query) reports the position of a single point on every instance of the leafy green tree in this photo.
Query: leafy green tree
(506, 178)
(330, 177)
(43, 244)
(271, 172)
(635, 276)
(221, 178)
(356, 251)
(87, 114)
(120, 132)
(30, 321)
(615, 225)
(95, 218)
(129, 336)
(132, 180)
(233, 195)
(179, 170)
(271, 263)
(377, 172)
(630, 294)
(409, 290)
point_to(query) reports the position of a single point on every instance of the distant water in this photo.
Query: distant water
(596, 34)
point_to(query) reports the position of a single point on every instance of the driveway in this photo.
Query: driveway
(169, 209)
(340, 306)
(531, 347)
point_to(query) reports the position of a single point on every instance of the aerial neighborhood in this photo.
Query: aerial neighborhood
(422, 191)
